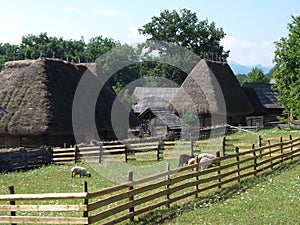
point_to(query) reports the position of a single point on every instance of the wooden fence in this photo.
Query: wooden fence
(154, 150)
(141, 151)
(136, 197)
(24, 158)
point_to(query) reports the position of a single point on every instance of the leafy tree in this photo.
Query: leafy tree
(184, 29)
(189, 117)
(242, 78)
(172, 29)
(256, 75)
(287, 72)
(121, 64)
(8, 52)
(98, 46)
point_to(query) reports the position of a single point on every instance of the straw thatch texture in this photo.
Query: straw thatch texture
(200, 91)
(2, 111)
(38, 94)
(152, 97)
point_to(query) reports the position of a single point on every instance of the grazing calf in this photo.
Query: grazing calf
(184, 159)
(79, 170)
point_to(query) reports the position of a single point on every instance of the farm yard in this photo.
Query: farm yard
(212, 190)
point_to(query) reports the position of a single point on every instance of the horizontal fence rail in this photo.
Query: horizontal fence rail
(136, 197)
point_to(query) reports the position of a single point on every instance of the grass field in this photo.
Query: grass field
(272, 198)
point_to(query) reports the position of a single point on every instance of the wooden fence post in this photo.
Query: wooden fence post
(85, 201)
(270, 154)
(76, 154)
(281, 149)
(12, 191)
(167, 185)
(159, 150)
(192, 146)
(259, 143)
(224, 145)
(291, 139)
(255, 160)
(238, 163)
(126, 152)
(131, 198)
(219, 169)
(100, 152)
(197, 178)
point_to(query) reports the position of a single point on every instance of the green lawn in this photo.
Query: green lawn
(271, 198)
(50, 179)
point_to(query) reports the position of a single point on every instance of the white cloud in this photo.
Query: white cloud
(134, 36)
(10, 32)
(249, 53)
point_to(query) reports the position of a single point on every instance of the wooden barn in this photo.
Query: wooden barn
(160, 121)
(265, 103)
(200, 92)
(152, 112)
(38, 95)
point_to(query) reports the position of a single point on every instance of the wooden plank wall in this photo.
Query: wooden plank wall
(25, 158)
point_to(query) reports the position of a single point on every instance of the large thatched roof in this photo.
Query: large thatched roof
(152, 97)
(205, 88)
(38, 94)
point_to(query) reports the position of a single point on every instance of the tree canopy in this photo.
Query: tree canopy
(171, 30)
(42, 45)
(184, 29)
(287, 72)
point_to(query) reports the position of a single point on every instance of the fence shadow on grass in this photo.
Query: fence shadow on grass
(164, 215)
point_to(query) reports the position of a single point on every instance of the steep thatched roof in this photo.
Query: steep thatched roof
(38, 94)
(266, 96)
(200, 91)
(152, 97)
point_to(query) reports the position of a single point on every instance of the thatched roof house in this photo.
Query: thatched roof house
(152, 97)
(212, 89)
(38, 94)
(161, 121)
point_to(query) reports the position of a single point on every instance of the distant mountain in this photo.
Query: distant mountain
(242, 69)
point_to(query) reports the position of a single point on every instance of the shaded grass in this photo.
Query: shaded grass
(270, 198)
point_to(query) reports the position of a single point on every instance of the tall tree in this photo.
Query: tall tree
(170, 32)
(256, 75)
(98, 46)
(184, 29)
(287, 72)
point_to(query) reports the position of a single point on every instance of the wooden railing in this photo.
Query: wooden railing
(136, 197)
(156, 150)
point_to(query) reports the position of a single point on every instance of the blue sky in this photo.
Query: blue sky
(251, 27)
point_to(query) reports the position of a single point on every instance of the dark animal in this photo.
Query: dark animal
(183, 159)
